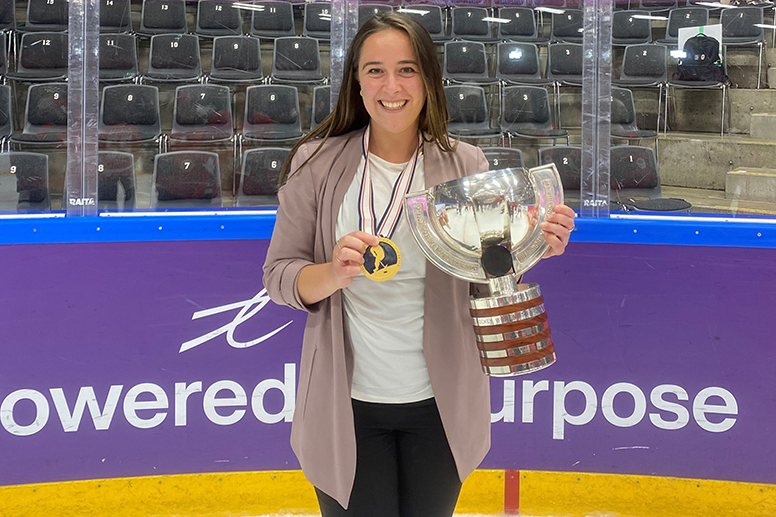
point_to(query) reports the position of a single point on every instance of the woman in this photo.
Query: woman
(393, 408)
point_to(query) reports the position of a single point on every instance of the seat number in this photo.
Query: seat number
(186, 165)
(13, 169)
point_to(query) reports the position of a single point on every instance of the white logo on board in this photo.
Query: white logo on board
(247, 310)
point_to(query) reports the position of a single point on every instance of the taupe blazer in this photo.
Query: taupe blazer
(322, 434)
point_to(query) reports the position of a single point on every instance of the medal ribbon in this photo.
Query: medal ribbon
(366, 209)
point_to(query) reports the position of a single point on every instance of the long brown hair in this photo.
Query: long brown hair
(350, 114)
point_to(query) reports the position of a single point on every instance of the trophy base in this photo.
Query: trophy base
(511, 329)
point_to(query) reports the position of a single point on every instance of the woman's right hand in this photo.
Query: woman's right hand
(348, 256)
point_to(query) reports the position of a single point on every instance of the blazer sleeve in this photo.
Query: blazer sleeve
(292, 246)
(482, 162)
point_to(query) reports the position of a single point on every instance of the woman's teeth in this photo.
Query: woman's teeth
(393, 105)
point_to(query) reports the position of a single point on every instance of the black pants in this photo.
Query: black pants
(404, 467)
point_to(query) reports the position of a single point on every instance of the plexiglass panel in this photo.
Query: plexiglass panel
(692, 109)
(33, 105)
(245, 80)
(207, 98)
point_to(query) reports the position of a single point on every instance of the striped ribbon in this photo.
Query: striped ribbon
(366, 210)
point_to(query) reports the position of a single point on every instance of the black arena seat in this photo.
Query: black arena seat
(118, 57)
(115, 181)
(186, 179)
(518, 63)
(470, 23)
(202, 113)
(42, 57)
(130, 113)
(503, 158)
(296, 59)
(45, 118)
(47, 15)
(271, 113)
(526, 113)
(174, 58)
(466, 62)
(317, 20)
(468, 112)
(259, 180)
(236, 59)
(163, 16)
(521, 25)
(272, 20)
(567, 27)
(24, 182)
(218, 18)
(115, 16)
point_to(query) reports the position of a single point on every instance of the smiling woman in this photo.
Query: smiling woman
(393, 93)
(381, 426)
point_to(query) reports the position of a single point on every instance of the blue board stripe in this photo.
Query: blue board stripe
(686, 231)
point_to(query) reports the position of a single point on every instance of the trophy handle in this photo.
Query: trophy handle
(548, 192)
(424, 231)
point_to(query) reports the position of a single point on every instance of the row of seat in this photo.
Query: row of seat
(634, 175)
(176, 57)
(180, 179)
(173, 57)
(131, 113)
(193, 179)
(221, 18)
(276, 19)
(203, 113)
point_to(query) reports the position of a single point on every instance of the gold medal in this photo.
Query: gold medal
(381, 262)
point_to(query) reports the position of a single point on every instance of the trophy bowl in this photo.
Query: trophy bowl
(486, 229)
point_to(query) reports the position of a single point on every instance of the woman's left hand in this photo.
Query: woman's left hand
(557, 229)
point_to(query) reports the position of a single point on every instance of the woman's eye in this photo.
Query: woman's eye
(408, 70)
(374, 70)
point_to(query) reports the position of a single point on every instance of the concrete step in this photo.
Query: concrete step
(763, 126)
(702, 160)
(751, 184)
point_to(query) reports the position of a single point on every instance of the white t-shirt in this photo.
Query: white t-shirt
(385, 319)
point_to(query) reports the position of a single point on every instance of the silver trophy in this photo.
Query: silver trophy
(485, 229)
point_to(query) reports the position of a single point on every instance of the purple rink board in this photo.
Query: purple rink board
(666, 363)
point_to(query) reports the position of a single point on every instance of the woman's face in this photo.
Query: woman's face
(391, 84)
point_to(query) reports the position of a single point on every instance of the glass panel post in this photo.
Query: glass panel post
(596, 107)
(83, 72)
(344, 24)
